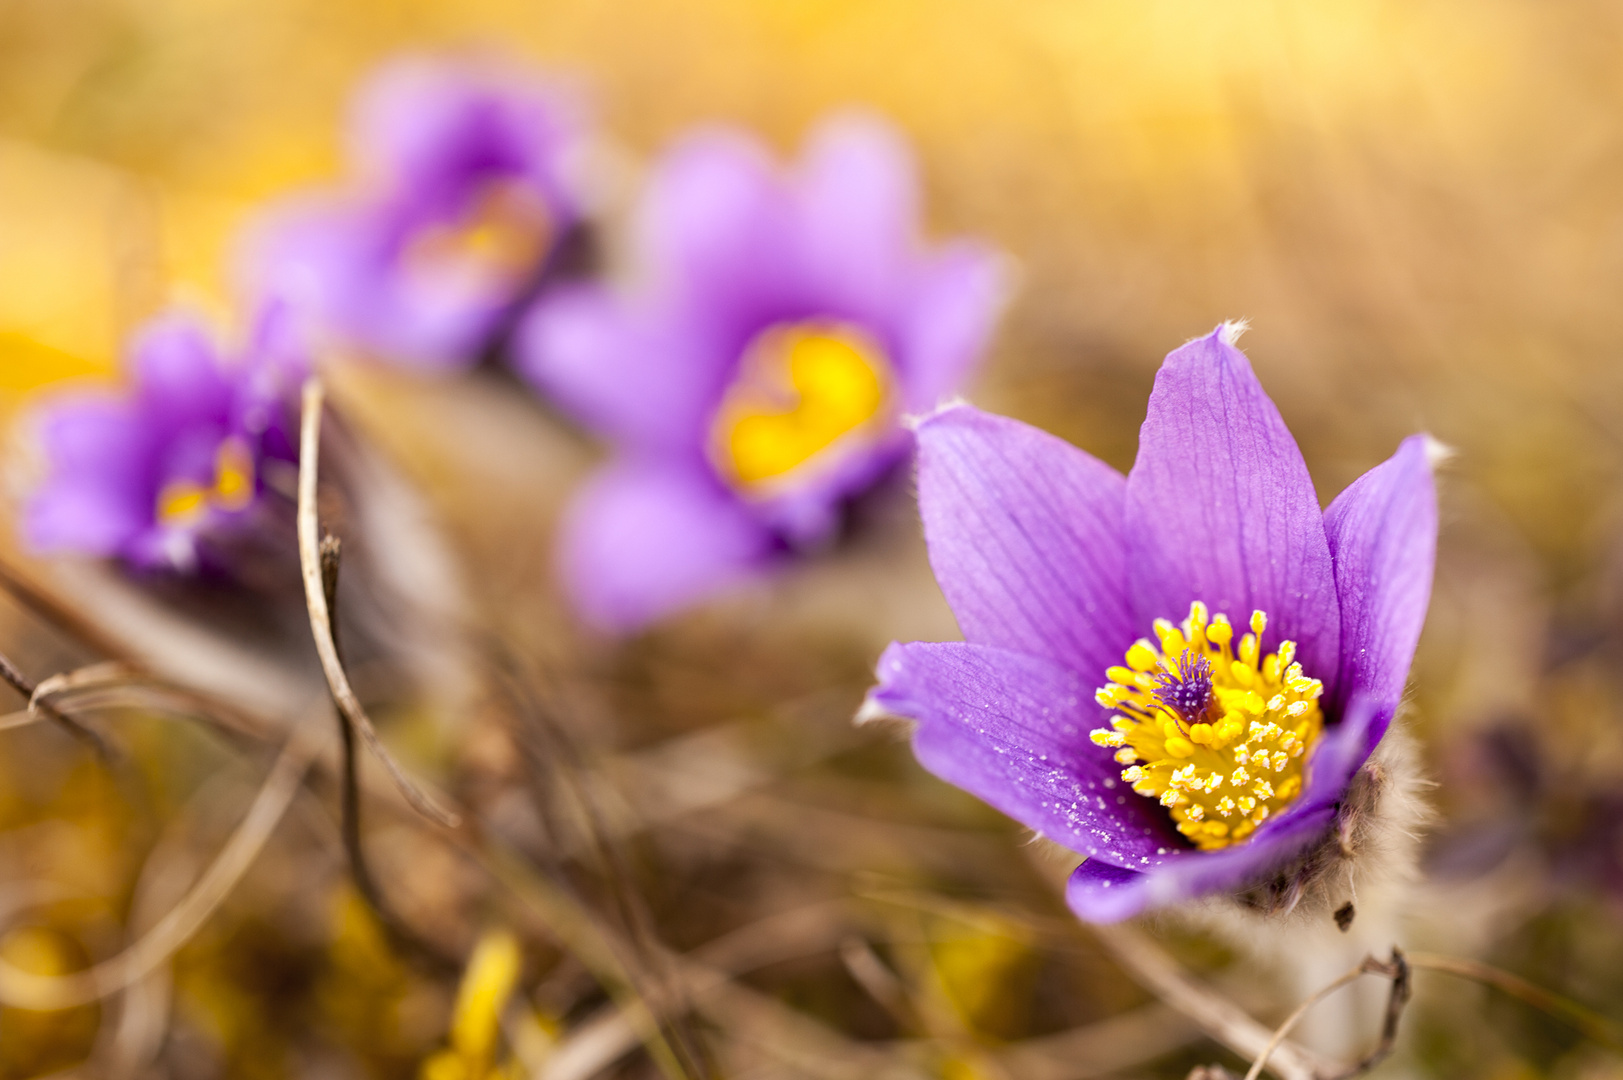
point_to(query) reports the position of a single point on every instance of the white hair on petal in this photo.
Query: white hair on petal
(1229, 332)
(1438, 453)
(911, 421)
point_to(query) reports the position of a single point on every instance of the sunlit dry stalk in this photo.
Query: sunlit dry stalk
(321, 618)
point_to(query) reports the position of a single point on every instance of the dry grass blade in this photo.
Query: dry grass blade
(321, 618)
(1394, 970)
(1217, 1016)
(25, 990)
(21, 683)
(1586, 1020)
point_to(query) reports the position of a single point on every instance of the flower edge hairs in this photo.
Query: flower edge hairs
(1065, 577)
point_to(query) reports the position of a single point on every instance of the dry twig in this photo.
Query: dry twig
(315, 597)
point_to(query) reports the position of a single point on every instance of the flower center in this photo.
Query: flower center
(805, 392)
(1218, 738)
(182, 503)
(497, 241)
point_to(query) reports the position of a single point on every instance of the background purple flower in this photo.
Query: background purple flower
(460, 200)
(1055, 564)
(144, 475)
(782, 324)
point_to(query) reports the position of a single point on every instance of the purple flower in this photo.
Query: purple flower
(150, 475)
(785, 321)
(1180, 760)
(461, 202)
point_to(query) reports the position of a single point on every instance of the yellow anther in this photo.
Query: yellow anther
(1198, 618)
(1259, 623)
(1141, 656)
(1259, 758)
(1297, 708)
(1194, 813)
(1225, 806)
(1133, 775)
(1106, 697)
(1169, 797)
(1246, 803)
(1262, 789)
(1106, 737)
(181, 503)
(1280, 760)
(1239, 777)
(1248, 651)
(1121, 676)
(1287, 653)
(1202, 734)
(1126, 756)
(1172, 639)
(1276, 703)
(1220, 633)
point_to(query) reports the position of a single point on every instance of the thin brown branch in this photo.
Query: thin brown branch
(1394, 969)
(1582, 1018)
(410, 943)
(1219, 1017)
(315, 597)
(46, 992)
(27, 688)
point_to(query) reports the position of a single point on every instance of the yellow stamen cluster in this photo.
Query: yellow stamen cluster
(183, 502)
(1217, 734)
(803, 390)
(498, 241)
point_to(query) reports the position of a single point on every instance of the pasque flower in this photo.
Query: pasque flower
(753, 382)
(151, 474)
(1218, 754)
(460, 202)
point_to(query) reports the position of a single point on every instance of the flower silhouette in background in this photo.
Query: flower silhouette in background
(151, 475)
(754, 380)
(1217, 756)
(460, 206)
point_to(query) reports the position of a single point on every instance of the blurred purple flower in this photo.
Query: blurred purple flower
(147, 476)
(1238, 759)
(785, 323)
(461, 202)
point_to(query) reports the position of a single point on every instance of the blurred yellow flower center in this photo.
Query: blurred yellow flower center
(1218, 738)
(804, 391)
(499, 240)
(183, 502)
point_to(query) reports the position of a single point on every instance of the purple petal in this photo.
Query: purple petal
(715, 222)
(1220, 508)
(1025, 537)
(429, 124)
(859, 206)
(643, 540)
(84, 517)
(178, 372)
(957, 297)
(1383, 538)
(591, 353)
(1101, 893)
(1013, 730)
